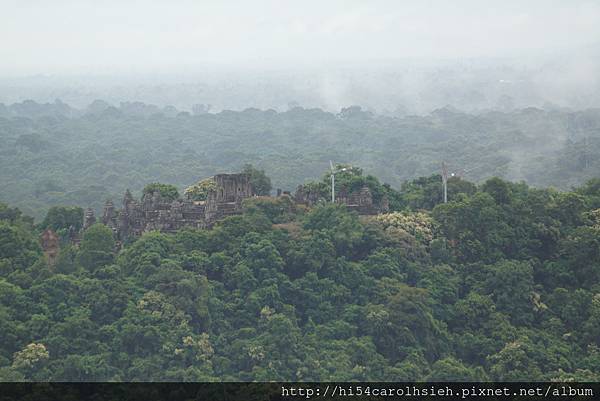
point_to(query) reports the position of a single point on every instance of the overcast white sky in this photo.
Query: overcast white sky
(98, 36)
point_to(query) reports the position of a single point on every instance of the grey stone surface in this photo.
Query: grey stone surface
(153, 212)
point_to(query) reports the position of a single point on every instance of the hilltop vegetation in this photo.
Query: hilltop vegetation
(501, 283)
(54, 155)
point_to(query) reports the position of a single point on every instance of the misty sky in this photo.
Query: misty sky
(92, 36)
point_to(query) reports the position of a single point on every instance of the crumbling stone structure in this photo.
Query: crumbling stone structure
(50, 245)
(307, 196)
(360, 200)
(88, 218)
(153, 212)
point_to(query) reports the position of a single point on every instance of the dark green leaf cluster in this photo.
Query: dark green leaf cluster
(261, 184)
(503, 283)
(166, 191)
(63, 218)
(83, 157)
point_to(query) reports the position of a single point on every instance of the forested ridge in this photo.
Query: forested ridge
(500, 283)
(52, 154)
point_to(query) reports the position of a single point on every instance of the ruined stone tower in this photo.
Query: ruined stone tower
(153, 212)
(50, 245)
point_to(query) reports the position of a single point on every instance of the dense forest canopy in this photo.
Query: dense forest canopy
(52, 154)
(500, 283)
(317, 191)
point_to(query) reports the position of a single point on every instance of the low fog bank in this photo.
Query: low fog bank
(569, 80)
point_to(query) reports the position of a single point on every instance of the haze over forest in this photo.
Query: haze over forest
(142, 144)
(123, 80)
(394, 58)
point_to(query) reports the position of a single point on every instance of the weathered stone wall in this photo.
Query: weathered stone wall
(153, 212)
(360, 200)
(231, 187)
(306, 196)
(50, 246)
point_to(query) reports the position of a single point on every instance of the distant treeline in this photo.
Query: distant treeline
(52, 154)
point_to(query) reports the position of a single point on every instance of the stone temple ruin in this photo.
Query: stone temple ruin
(50, 245)
(360, 201)
(153, 212)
